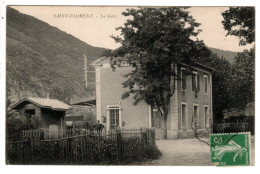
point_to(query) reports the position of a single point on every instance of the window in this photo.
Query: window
(183, 79)
(206, 84)
(206, 115)
(183, 116)
(156, 118)
(195, 119)
(195, 81)
(114, 118)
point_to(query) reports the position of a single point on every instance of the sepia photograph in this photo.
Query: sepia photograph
(130, 85)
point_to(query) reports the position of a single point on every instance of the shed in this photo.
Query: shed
(48, 113)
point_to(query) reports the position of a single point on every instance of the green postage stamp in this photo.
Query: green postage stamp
(230, 149)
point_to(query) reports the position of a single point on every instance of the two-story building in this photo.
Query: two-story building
(190, 106)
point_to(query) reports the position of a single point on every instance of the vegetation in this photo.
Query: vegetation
(227, 55)
(16, 123)
(109, 149)
(40, 57)
(240, 21)
(152, 41)
(243, 79)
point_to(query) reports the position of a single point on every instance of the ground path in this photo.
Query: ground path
(187, 152)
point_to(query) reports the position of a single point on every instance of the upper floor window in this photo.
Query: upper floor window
(206, 84)
(183, 79)
(195, 81)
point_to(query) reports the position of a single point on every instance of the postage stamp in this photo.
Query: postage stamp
(230, 149)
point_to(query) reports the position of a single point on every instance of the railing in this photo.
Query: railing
(82, 149)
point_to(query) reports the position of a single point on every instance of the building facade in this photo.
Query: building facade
(190, 106)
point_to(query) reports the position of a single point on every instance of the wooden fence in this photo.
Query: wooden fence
(82, 149)
(46, 134)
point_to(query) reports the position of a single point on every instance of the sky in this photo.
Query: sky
(95, 25)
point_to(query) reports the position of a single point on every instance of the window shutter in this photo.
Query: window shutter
(198, 82)
(193, 82)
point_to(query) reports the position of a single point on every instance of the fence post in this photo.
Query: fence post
(119, 143)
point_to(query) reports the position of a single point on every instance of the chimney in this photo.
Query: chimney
(48, 96)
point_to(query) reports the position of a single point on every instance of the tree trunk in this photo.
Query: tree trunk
(165, 128)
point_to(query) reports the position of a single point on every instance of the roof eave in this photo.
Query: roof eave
(14, 107)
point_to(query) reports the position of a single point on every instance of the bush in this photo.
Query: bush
(16, 123)
(152, 152)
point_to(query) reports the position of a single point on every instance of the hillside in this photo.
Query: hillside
(40, 56)
(228, 55)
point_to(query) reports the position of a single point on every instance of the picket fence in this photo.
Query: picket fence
(89, 148)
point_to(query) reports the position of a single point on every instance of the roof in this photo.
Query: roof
(103, 60)
(47, 103)
(100, 61)
(234, 113)
(87, 102)
(248, 111)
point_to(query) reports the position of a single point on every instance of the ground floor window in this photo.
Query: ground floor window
(195, 119)
(183, 116)
(206, 115)
(114, 118)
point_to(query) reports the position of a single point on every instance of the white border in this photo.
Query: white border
(118, 169)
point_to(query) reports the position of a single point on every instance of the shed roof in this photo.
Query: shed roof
(47, 103)
(90, 101)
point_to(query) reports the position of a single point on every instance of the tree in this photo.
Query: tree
(61, 93)
(153, 41)
(221, 84)
(240, 21)
(243, 70)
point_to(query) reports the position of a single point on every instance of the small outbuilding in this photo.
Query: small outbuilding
(47, 113)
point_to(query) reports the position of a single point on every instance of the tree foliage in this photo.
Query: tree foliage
(240, 21)
(153, 40)
(61, 93)
(16, 123)
(243, 79)
(221, 84)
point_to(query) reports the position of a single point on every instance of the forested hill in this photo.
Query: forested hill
(40, 56)
(228, 55)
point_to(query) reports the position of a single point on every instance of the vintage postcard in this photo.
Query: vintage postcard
(111, 85)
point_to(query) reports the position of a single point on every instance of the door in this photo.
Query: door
(157, 123)
(53, 131)
(114, 118)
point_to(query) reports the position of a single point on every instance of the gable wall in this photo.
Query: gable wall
(134, 116)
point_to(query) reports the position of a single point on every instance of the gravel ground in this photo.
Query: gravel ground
(187, 152)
